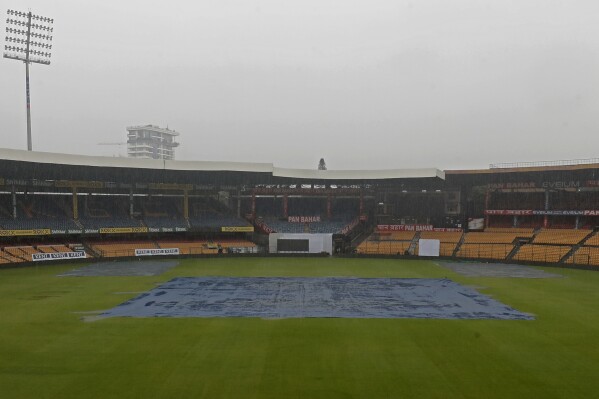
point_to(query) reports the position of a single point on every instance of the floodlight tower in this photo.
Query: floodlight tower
(28, 39)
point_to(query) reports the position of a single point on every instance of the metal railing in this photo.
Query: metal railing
(562, 162)
(475, 251)
(387, 247)
(120, 253)
(542, 253)
(485, 251)
(590, 258)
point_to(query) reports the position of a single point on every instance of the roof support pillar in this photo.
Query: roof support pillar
(186, 204)
(75, 204)
(546, 217)
(14, 201)
(361, 210)
(487, 200)
(131, 202)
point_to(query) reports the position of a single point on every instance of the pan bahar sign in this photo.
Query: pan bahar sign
(404, 227)
(57, 256)
(303, 219)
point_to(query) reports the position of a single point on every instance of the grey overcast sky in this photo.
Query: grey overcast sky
(365, 84)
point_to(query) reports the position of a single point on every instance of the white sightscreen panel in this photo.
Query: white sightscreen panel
(428, 247)
(476, 224)
(318, 242)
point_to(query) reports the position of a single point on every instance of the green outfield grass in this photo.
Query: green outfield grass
(48, 351)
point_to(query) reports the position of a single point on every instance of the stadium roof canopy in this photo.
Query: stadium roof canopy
(32, 164)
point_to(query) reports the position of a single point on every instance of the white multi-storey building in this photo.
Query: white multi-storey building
(151, 141)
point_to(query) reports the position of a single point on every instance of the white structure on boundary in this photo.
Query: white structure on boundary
(428, 247)
(297, 243)
(151, 142)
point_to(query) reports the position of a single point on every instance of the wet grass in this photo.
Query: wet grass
(47, 350)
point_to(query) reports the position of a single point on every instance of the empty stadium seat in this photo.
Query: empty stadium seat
(560, 236)
(397, 236)
(332, 226)
(542, 253)
(585, 256)
(383, 247)
(197, 247)
(490, 238)
(520, 232)
(122, 249)
(485, 251)
(593, 241)
(215, 220)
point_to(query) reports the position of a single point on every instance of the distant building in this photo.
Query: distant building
(151, 141)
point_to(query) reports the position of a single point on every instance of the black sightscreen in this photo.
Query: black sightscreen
(288, 245)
